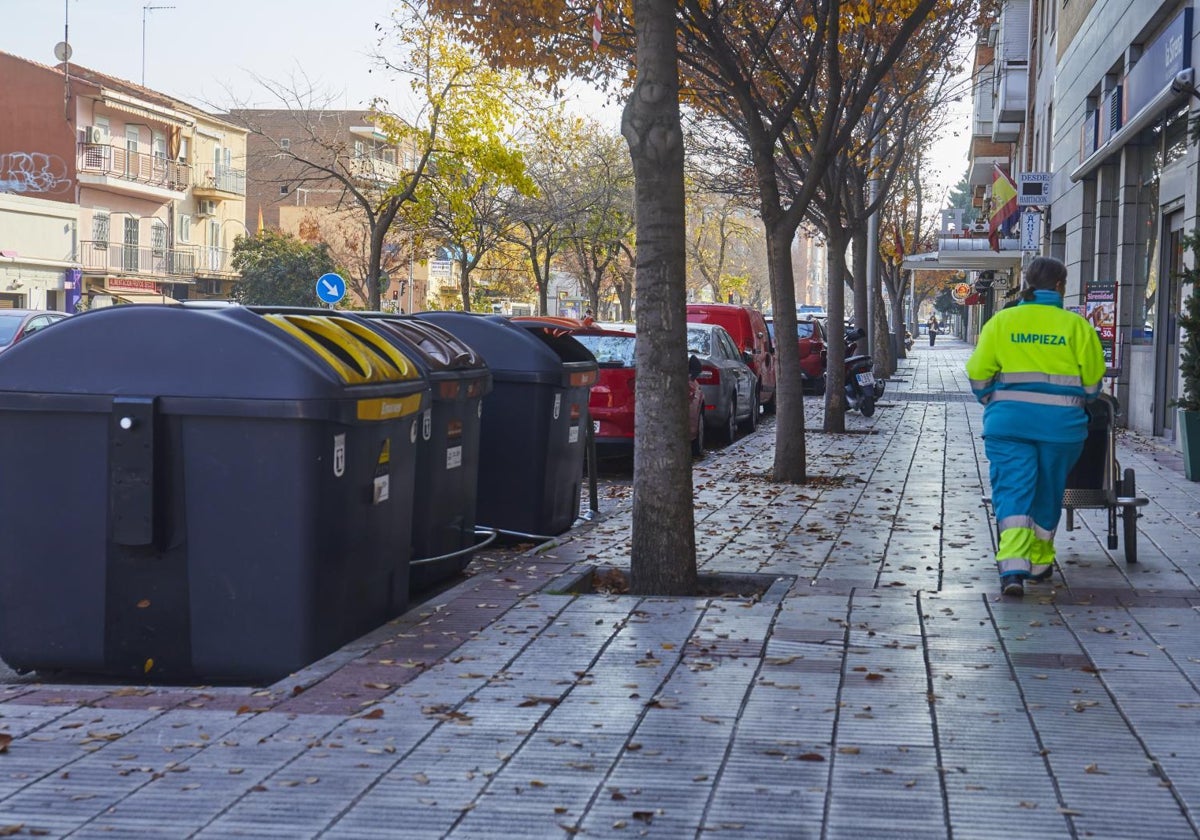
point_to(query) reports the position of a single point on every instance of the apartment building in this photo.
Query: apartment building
(291, 153)
(156, 181)
(1090, 101)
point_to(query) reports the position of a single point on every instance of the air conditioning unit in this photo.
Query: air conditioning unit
(96, 134)
(206, 207)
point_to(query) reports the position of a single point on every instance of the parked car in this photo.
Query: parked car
(18, 324)
(612, 399)
(810, 333)
(748, 329)
(730, 386)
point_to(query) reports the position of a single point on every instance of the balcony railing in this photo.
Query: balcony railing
(115, 256)
(137, 167)
(221, 178)
(374, 170)
(214, 261)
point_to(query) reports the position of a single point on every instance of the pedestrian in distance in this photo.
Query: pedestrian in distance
(1034, 368)
(933, 329)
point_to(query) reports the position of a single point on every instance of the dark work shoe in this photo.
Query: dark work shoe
(1043, 575)
(1012, 585)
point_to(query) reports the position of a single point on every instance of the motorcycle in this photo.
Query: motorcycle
(862, 388)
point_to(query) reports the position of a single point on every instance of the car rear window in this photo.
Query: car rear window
(609, 350)
(698, 341)
(9, 324)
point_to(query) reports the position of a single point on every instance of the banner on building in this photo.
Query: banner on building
(1100, 308)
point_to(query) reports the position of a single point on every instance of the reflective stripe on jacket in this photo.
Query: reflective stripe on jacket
(1034, 367)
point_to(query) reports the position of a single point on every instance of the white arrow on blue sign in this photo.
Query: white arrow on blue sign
(331, 287)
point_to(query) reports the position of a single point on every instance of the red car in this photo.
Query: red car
(611, 403)
(813, 352)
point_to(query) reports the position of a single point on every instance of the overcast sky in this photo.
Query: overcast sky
(197, 48)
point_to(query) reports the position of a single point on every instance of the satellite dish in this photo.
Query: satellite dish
(62, 51)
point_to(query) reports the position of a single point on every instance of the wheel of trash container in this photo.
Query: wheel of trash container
(867, 405)
(698, 442)
(1129, 516)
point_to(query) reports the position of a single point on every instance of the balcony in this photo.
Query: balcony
(131, 173)
(214, 262)
(218, 183)
(127, 259)
(373, 170)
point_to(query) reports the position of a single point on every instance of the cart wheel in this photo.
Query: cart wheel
(1130, 517)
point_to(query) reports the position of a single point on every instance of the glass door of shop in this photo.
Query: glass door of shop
(1166, 327)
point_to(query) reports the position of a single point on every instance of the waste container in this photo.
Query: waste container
(210, 494)
(534, 421)
(446, 483)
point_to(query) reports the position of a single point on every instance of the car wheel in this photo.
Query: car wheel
(698, 440)
(731, 421)
(751, 422)
(819, 386)
(769, 408)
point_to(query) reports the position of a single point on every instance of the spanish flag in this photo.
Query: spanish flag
(1005, 212)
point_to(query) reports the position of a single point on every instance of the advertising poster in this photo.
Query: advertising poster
(1100, 308)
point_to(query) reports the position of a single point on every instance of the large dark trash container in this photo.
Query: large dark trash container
(534, 421)
(446, 483)
(201, 494)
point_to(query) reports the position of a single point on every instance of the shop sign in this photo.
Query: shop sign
(1160, 61)
(131, 284)
(1100, 308)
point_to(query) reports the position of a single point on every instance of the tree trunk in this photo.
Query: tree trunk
(791, 456)
(885, 350)
(858, 280)
(374, 259)
(663, 549)
(835, 374)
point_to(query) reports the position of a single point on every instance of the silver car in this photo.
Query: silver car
(728, 383)
(16, 324)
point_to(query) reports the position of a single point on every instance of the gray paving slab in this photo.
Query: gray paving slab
(883, 689)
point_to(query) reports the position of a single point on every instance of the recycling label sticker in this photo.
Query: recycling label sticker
(453, 457)
(339, 455)
(557, 405)
(427, 424)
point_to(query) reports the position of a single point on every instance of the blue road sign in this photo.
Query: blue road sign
(331, 287)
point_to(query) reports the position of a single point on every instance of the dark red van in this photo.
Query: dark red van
(749, 331)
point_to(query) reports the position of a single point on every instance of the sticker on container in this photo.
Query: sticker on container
(573, 435)
(385, 452)
(479, 410)
(454, 430)
(427, 424)
(339, 455)
(380, 493)
(453, 457)
(557, 405)
(412, 432)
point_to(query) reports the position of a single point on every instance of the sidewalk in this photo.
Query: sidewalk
(879, 689)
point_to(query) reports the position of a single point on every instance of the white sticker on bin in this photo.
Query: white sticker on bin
(453, 457)
(427, 424)
(573, 435)
(557, 405)
(380, 493)
(339, 455)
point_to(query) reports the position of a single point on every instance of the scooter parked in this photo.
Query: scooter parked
(862, 389)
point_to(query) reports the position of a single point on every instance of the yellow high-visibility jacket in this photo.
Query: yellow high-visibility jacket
(1035, 366)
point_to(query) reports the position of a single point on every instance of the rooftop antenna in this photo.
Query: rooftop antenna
(62, 51)
(147, 8)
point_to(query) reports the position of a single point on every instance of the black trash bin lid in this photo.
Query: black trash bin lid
(514, 354)
(191, 352)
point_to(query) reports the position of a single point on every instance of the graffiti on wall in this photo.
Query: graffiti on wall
(33, 172)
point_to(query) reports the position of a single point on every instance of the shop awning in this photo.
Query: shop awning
(138, 297)
(967, 255)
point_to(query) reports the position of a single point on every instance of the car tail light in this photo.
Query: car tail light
(709, 376)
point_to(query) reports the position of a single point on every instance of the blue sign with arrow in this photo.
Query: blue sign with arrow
(331, 287)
